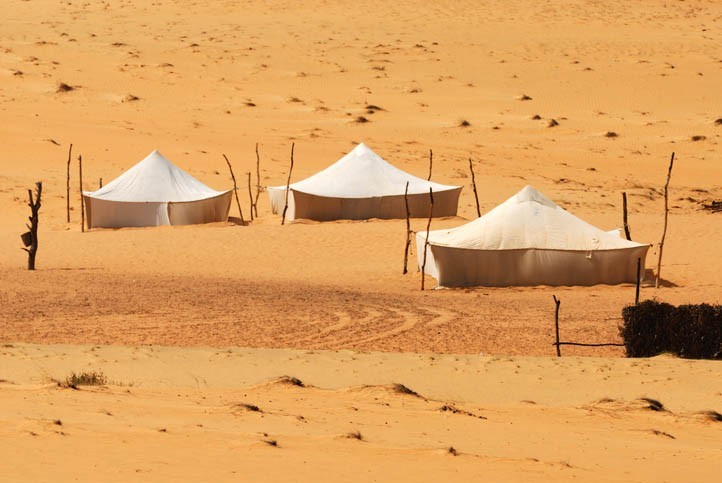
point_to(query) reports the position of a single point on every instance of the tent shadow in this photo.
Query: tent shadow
(237, 221)
(650, 277)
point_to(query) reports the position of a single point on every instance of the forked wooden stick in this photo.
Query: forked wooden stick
(67, 184)
(426, 242)
(235, 189)
(666, 213)
(473, 184)
(408, 229)
(82, 200)
(624, 216)
(431, 163)
(288, 185)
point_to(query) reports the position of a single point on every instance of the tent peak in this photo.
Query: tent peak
(362, 149)
(531, 194)
(156, 154)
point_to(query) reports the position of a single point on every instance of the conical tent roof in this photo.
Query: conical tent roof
(529, 220)
(154, 179)
(363, 174)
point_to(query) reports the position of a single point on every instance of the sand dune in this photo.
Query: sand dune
(507, 419)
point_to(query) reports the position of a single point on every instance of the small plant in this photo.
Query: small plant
(293, 381)
(536, 117)
(355, 435)
(653, 404)
(662, 433)
(552, 123)
(249, 407)
(454, 410)
(271, 442)
(361, 120)
(611, 134)
(63, 87)
(713, 416)
(452, 451)
(698, 138)
(464, 123)
(524, 97)
(401, 389)
(86, 379)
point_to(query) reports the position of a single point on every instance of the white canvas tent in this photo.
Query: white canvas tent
(529, 240)
(359, 186)
(155, 192)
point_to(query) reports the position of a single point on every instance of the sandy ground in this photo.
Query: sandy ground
(232, 414)
(199, 79)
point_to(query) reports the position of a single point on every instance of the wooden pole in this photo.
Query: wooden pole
(34, 204)
(258, 182)
(408, 229)
(250, 194)
(624, 216)
(431, 163)
(557, 302)
(473, 184)
(666, 214)
(235, 189)
(100, 183)
(288, 187)
(67, 184)
(82, 200)
(639, 279)
(426, 241)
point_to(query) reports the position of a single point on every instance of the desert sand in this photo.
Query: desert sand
(173, 414)
(625, 86)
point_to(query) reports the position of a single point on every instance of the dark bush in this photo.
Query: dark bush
(690, 331)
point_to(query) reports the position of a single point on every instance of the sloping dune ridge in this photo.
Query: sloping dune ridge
(582, 100)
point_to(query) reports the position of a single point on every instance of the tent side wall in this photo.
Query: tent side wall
(322, 208)
(197, 212)
(462, 267)
(119, 214)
